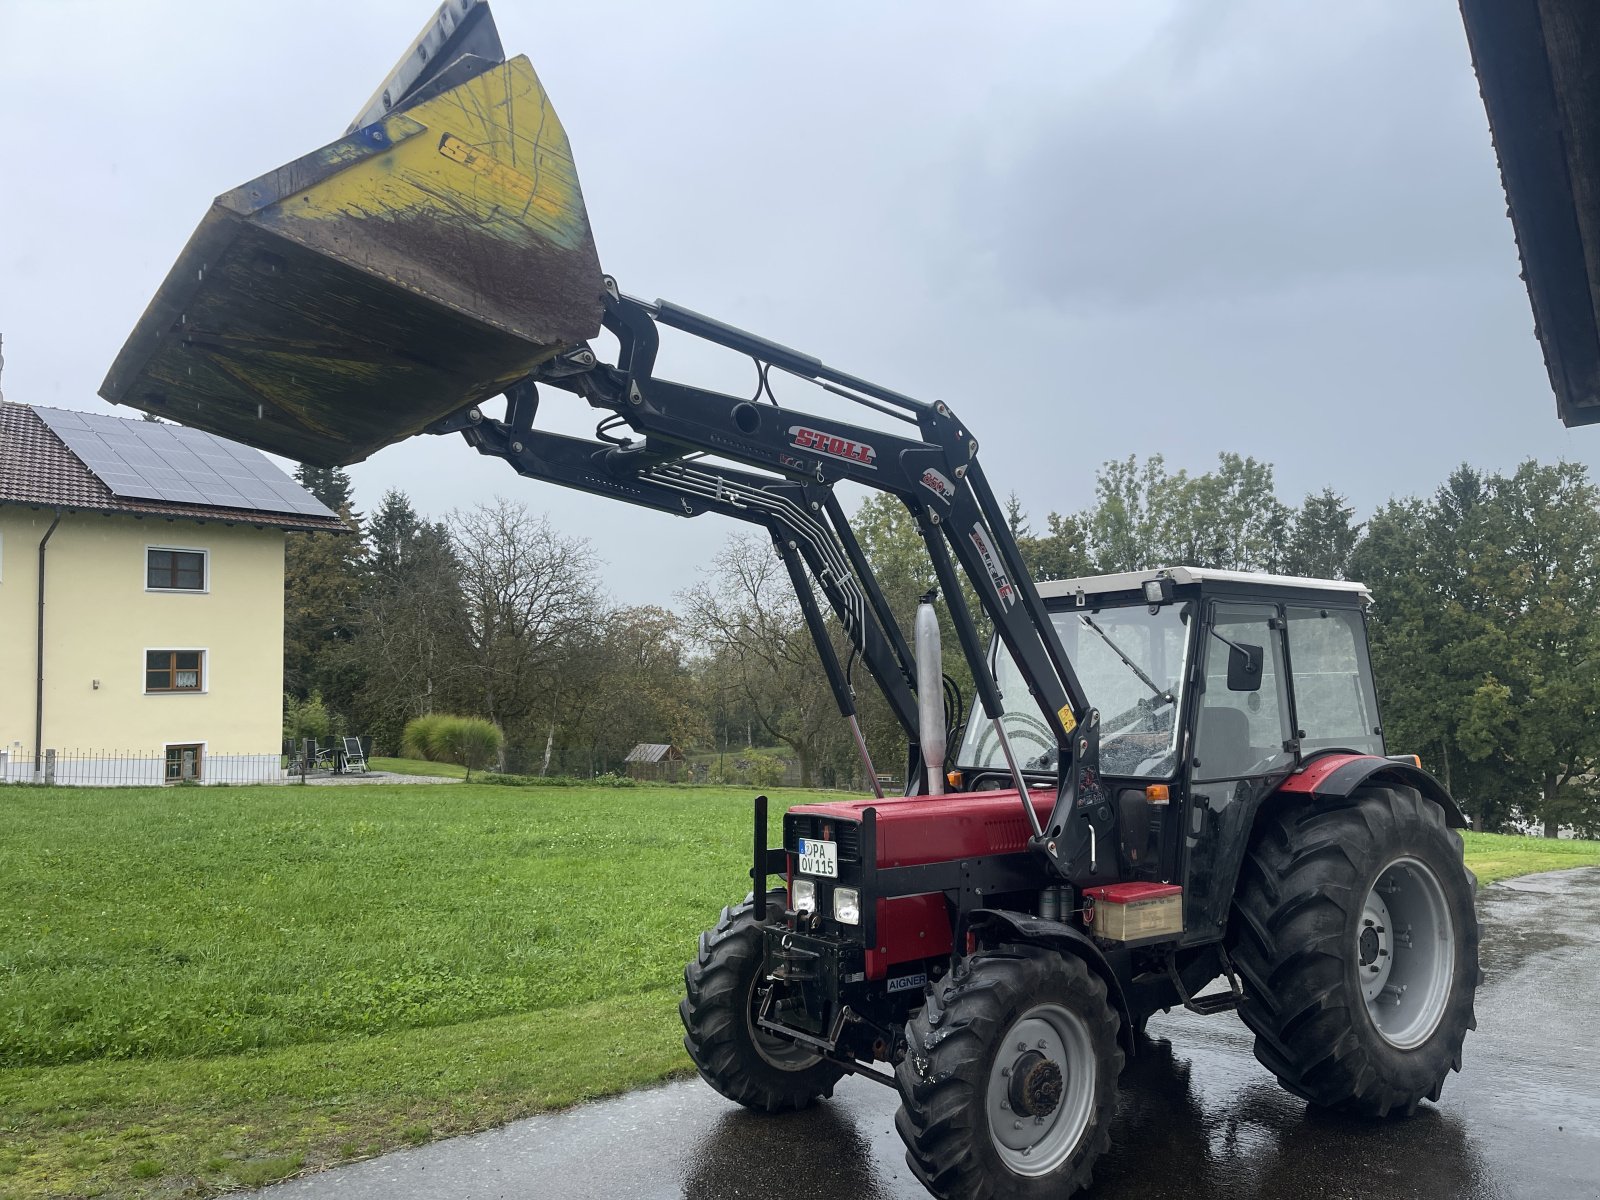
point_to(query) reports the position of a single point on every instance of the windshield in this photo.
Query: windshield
(1131, 664)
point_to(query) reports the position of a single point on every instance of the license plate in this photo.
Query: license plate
(819, 858)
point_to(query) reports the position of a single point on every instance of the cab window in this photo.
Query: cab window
(1242, 732)
(1333, 694)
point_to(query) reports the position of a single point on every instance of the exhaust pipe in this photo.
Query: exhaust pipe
(930, 695)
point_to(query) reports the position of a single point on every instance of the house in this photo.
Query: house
(141, 599)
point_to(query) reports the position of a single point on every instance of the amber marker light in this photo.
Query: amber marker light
(1158, 793)
(954, 779)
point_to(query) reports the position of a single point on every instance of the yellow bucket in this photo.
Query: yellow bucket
(354, 296)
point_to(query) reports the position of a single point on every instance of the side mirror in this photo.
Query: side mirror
(1244, 667)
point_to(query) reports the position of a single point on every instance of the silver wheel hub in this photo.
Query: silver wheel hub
(1040, 1097)
(1405, 953)
(775, 1051)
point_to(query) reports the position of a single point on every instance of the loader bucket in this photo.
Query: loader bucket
(423, 262)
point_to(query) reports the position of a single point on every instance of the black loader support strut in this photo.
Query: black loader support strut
(756, 460)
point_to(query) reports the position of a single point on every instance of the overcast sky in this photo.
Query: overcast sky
(1095, 230)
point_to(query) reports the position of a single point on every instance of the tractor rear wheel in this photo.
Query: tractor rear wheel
(722, 995)
(1010, 1078)
(1354, 931)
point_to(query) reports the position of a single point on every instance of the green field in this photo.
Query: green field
(417, 766)
(213, 987)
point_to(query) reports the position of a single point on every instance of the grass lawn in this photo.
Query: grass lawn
(207, 988)
(1494, 856)
(417, 766)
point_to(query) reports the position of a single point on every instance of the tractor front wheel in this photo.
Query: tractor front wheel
(1010, 1078)
(722, 995)
(1354, 930)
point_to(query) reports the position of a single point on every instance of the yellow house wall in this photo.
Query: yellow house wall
(100, 620)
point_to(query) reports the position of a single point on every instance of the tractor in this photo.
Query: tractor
(1167, 778)
(1244, 824)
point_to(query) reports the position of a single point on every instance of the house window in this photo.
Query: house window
(174, 670)
(183, 762)
(174, 570)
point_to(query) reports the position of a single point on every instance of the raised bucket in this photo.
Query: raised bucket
(354, 296)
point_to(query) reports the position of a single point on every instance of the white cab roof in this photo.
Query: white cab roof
(1124, 581)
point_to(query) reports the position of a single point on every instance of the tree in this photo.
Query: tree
(1486, 638)
(1537, 714)
(1145, 516)
(1062, 553)
(331, 485)
(633, 683)
(746, 615)
(321, 586)
(1322, 537)
(408, 622)
(527, 594)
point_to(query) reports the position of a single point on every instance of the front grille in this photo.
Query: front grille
(807, 825)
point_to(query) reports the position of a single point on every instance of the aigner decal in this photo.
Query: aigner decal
(905, 983)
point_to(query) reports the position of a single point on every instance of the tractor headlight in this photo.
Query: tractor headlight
(803, 896)
(847, 906)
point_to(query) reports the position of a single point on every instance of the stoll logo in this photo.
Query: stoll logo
(832, 445)
(991, 563)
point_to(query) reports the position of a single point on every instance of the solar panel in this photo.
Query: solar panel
(143, 460)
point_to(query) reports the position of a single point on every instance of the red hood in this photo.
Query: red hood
(924, 829)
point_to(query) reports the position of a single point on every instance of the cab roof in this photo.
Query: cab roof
(1233, 581)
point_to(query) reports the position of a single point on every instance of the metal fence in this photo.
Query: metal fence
(124, 768)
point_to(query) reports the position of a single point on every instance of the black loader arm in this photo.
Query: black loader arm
(681, 460)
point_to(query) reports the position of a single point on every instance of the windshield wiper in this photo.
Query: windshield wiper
(1157, 692)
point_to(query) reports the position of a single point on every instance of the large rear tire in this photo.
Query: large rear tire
(721, 998)
(1354, 931)
(1009, 1080)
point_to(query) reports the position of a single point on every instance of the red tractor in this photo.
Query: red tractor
(1243, 823)
(1168, 777)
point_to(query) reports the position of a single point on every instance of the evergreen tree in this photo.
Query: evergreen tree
(1322, 537)
(331, 485)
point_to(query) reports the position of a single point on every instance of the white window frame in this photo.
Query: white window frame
(205, 672)
(205, 570)
(205, 757)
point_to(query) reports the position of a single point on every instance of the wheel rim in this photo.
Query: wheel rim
(1041, 1090)
(775, 1051)
(1406, 953)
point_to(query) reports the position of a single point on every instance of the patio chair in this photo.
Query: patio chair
(324, 758)
(355, 758)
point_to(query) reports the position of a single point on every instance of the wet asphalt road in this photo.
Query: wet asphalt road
(1198, 1119)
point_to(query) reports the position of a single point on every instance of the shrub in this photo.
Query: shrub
(764, 772)
(421, 737)
(471, 742)
(308, 718)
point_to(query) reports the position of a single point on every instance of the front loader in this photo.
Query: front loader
(1169, 777)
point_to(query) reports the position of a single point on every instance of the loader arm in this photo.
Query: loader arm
(795, 515)
(935, 474)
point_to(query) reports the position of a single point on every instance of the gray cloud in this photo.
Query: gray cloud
(1097, 230)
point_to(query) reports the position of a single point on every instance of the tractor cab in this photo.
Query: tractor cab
(1212, 686)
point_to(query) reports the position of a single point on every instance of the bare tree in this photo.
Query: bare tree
(744, 612)
(527, 591)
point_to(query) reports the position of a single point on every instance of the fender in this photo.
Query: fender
(1039, 931)
(1334, 775)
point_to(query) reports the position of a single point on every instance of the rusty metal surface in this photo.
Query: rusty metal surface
(349, 299)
